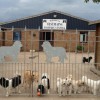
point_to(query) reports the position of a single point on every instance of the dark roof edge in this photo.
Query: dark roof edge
(44, 14)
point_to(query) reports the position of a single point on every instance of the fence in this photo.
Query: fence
(32, 62)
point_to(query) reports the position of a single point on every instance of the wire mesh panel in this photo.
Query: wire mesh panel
(61, 68)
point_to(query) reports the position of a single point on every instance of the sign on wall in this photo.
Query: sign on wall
(57, 24)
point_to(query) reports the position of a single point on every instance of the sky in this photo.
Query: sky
(16, 9)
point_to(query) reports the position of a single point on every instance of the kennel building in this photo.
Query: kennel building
(61, 30)
(43, 31)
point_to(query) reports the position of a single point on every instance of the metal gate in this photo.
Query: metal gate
(32, 63)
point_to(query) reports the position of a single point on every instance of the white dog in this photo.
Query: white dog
(11, 51)
(64, 86)
(61, 86)
(53, 52)
(78, 86)
(69, 84)
(45, 82)
(93, 85)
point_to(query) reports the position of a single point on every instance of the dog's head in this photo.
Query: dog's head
(63, 82)
(35, 76)
(84, 79)
(69, 79)
(19, 77)
(44, 76)
(59, 79)
(90, 58)
(80, 83)
(46, 45)
(18, 44)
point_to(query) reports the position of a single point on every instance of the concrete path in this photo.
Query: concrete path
(52, 98)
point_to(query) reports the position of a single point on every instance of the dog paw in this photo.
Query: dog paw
(69, 94)
(94, 94)
(7, 95)
(64, 94)
(48, 92)
(60, 95)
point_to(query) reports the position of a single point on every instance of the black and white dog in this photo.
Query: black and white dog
(41, 89)
(45, 83)
(87, 59)
(10, 83)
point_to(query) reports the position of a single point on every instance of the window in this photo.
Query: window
(16, 35)
(83, 37)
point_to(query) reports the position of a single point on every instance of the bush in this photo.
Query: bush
(80, 48)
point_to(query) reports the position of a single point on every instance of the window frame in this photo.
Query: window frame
(83, 37)
(18, 39)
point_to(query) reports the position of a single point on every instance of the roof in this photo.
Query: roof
(36, 21)
(94, 22)
(47, 13)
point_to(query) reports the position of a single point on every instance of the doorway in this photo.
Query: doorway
(46, 36)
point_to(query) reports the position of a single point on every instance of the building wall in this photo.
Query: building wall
(7, 39)
(70, 40)
(30, 40)
(67, 39)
